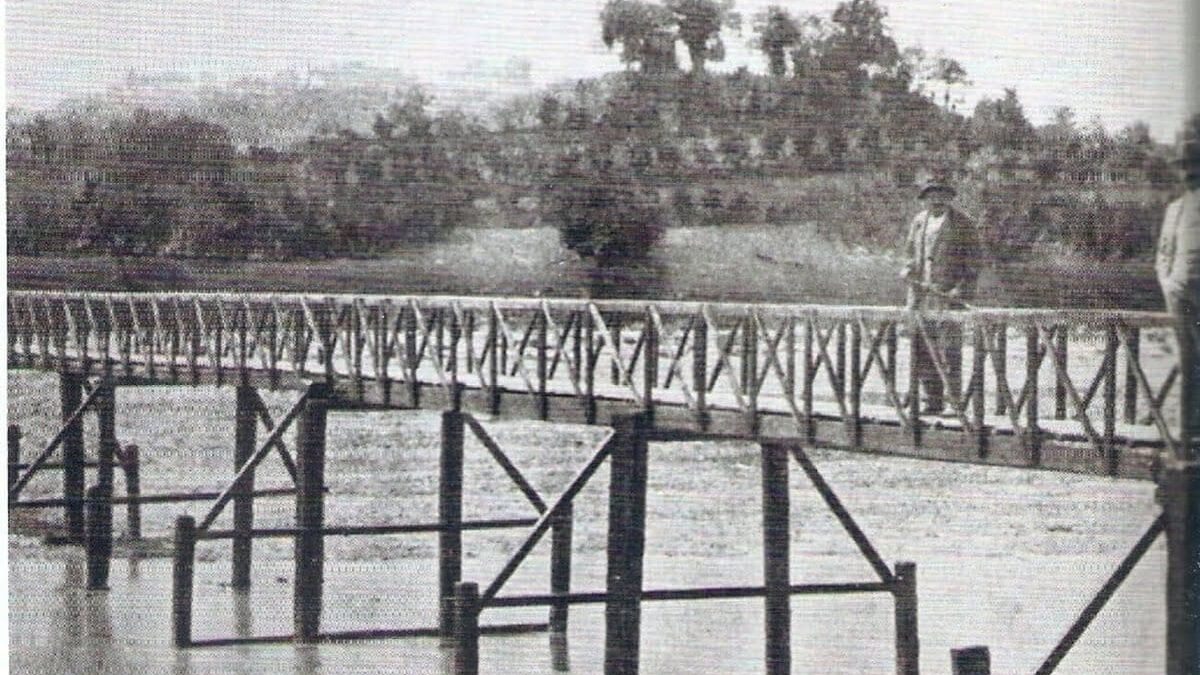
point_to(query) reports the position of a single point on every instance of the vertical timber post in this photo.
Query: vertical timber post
(133, 489)
(1179, 490)
(1033, 436)
(106, 426)
(450, 495)
(908, 648)
(560, 567)
(700, 369)
(1000, 364)
(971, 661)
(626, 544)
(99, 536)
(466, 628)
(1060, 386)
(776, 558)
(310, 514)
(182, 579)
(1134, 347)
(70, 397)
(245, 426)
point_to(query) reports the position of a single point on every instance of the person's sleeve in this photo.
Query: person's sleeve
(1162, 262)
(1185, 268)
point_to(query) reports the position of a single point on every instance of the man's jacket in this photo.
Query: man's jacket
(1178, 259)
(953, 256)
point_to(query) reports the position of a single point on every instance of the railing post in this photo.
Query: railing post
(496, 362)
(70, 398)
(450, 495)
(133, 490)
(1000, 363)
(1111, 451)
(649, 360)
(979, 386)
(776, 558)
(560, 567)
(700, 369)
(14, 455)
(1133, 344)
(908, 649)
(182, 576)
(626, 544)
(310, 514)
(411, 367)
(543, 399)
(1060, 386)
(1033, 436)
(1179, 492)
(975, 660)
(466, 628)
(591, 363)
(750, 371)
(914, 377)
(244, 445)
(856, 385)
(99, 536)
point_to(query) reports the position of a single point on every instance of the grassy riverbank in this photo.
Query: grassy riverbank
(751, 263)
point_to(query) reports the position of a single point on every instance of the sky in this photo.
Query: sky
(1112, 60)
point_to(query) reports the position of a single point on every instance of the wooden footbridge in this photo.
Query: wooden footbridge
(1096, 392)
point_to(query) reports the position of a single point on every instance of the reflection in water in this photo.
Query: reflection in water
(183, 662)
(308, 659)
(560, 658)
(135, 567)
(243, 615)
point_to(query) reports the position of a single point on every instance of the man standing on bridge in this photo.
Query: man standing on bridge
(943, 255)
(1178, 268)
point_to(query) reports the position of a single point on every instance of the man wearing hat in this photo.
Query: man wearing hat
(1178, 264)
(943, 256)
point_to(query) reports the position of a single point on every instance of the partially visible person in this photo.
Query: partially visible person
(1178, 266)
(943, 255)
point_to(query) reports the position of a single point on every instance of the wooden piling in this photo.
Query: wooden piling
(776, 558)
(1179, 491)
(182, 578)
(466, 629)
(626, 544)
(98, 538)
(560, 567)
(14, 454)
(975, 660)
(450, 500)
(131, 463)
(904, 590)
(71, 397)
(310, 514)
(244, 445)
(106, 426)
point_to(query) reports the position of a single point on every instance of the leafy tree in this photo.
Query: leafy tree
(777, 32)
(645, 31)
(700, 23)
(1002, 123)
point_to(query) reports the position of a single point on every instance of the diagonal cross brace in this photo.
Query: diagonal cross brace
(227, 494)
(15, 490)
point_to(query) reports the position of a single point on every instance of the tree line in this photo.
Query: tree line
(834, 132)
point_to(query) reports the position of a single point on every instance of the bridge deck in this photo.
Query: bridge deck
(1061, 390)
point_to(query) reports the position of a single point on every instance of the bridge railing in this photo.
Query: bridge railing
(1104, 379)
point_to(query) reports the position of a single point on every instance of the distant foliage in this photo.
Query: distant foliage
(836, 133)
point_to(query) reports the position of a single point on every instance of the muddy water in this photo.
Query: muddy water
(1005, 557)
(1018, 605)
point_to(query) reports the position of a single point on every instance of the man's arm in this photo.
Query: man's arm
(1164, 253)
(1185, 264)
